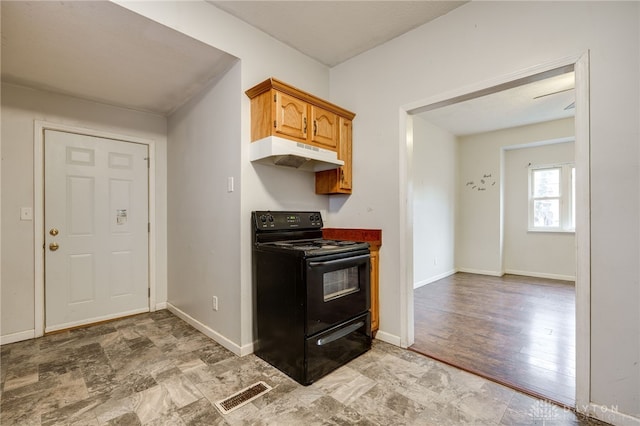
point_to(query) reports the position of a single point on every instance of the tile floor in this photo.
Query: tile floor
(154, 369)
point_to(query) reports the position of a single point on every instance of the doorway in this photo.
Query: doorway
(580, 65)
(94, 226)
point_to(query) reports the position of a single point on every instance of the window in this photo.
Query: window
(551, 198)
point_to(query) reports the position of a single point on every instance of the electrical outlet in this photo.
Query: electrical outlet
(214, 303)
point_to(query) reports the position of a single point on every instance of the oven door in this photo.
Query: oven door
(337, 289)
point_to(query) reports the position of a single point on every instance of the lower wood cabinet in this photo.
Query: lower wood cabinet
(375, 288)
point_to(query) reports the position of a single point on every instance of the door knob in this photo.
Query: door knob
(54, 246)
(53, 231)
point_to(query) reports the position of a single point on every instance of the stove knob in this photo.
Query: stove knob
(270, 218)
(263, 218)
(317, 218)
(311, 218)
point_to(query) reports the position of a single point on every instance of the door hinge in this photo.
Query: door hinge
(275, 97)
(149, 227)
(147, 159)
(275, 123)
(149, 292)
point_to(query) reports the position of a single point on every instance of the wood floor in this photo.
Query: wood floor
(518, 331)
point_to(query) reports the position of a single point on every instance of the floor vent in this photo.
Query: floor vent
(242, 397)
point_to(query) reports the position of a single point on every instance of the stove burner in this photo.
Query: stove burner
(310, 245)
(337, 243)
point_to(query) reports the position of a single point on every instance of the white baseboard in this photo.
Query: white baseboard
(609, 415)
(481, 272)
(541, 275)
(209, 332)
(388, 338)
(161, 305)
(17, 337)
(434, 278)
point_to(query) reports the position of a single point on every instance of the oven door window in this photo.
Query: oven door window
(340, 283)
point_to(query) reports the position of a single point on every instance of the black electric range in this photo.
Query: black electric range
(311, 295)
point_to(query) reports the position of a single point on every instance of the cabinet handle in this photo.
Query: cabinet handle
(341, 174)
(315, 128)
(305, 126)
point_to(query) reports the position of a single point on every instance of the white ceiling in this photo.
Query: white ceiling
(548, 99)
(333, 31)
(100, 51)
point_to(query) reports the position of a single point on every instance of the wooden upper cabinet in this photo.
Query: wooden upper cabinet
(290, 116)
(345, 154)
(325, 128)
(338, 181)
(278, 109)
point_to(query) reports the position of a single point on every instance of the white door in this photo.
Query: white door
(96, 229)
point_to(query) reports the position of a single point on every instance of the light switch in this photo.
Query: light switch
(26, 213)
(230, 184)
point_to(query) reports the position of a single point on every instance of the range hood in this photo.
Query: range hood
(277, 151)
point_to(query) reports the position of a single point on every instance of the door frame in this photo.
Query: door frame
(580, 63)
(38, 210)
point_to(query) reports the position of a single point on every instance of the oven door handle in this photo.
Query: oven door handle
(339, 334)
(342, 260)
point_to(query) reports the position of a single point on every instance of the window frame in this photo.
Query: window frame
(566, 197)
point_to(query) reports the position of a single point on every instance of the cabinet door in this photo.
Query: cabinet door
(290, 116)
(325, 128)
(345, 153)
(375, 288)
(338, 181)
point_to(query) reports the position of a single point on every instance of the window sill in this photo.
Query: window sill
(551, 231)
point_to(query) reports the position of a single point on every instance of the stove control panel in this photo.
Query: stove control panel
(279, 220)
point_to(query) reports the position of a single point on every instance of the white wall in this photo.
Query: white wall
(472, 44)
(257, 186)
(479, 240)
(471, 226)
(479, 42)
(261, 186)
(538, 254)
(204, 253)
(20, 107)
(479, 225)
(434, 202)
